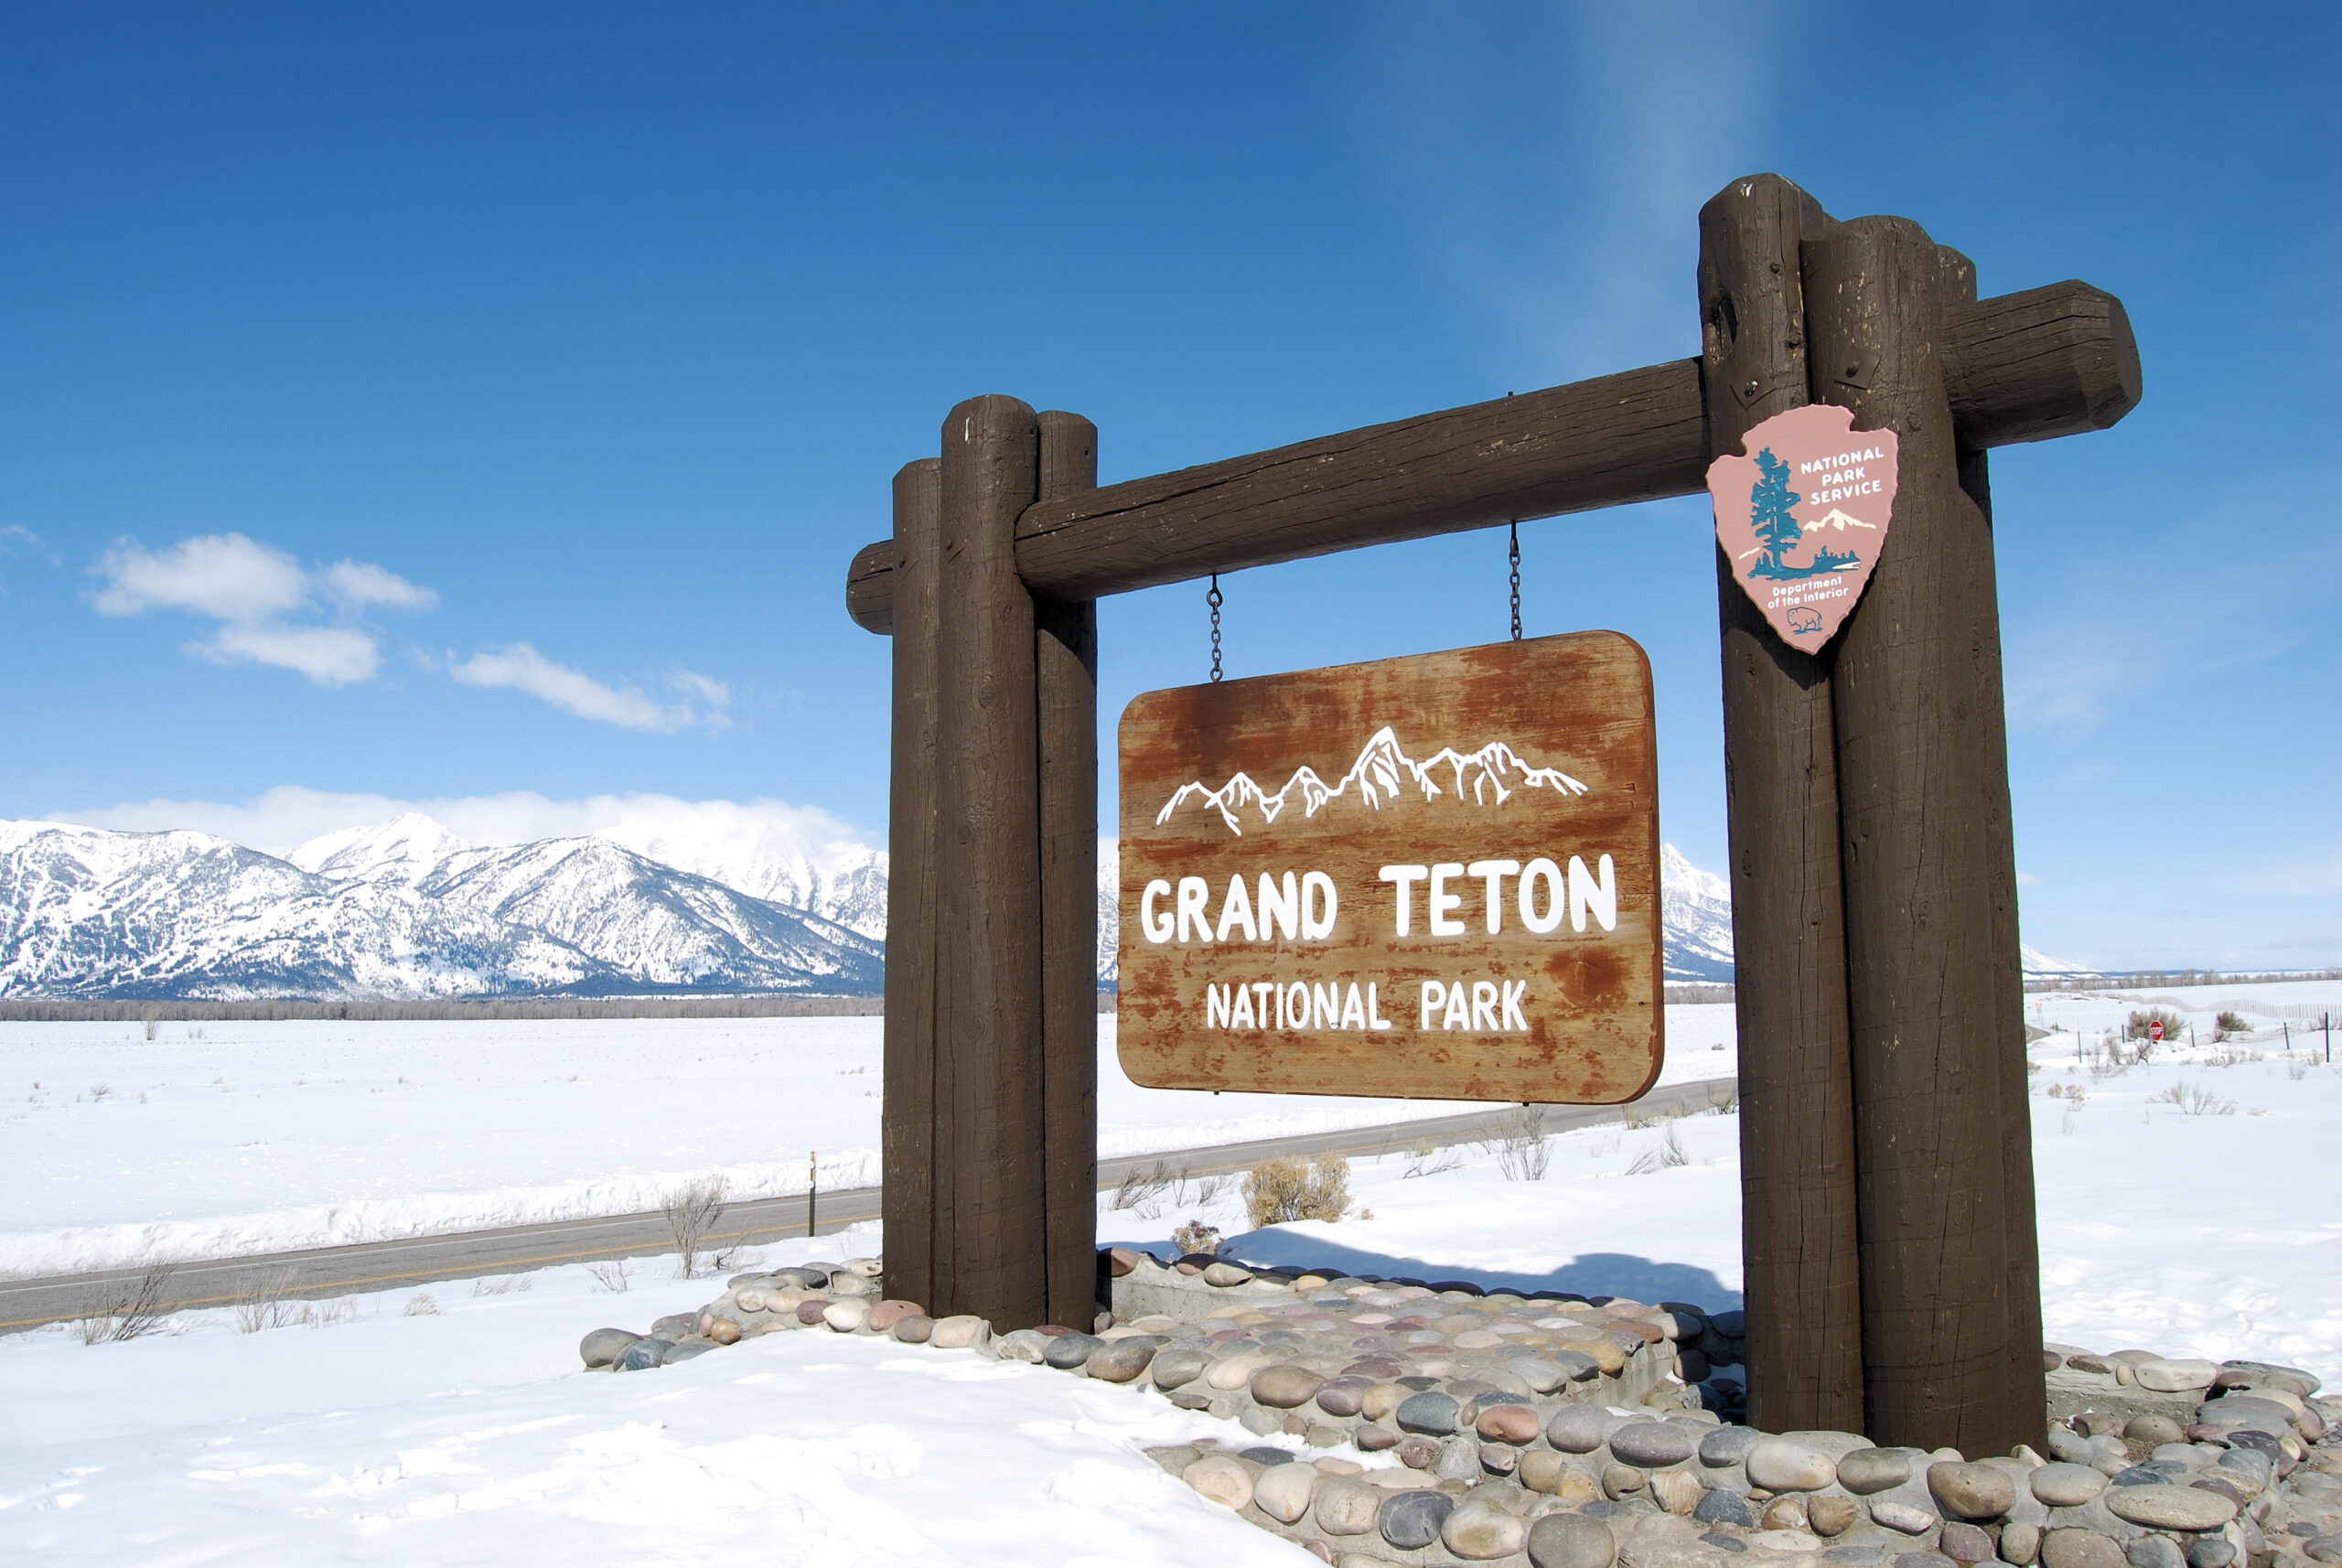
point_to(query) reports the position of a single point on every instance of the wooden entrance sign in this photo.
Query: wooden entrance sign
(1890, 1264)
(1430, 877)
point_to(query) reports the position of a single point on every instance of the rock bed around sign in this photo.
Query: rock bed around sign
(1406, 1421)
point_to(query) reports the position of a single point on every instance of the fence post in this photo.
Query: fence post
(1065, 651)
(1914, 844)
(1799, 1263)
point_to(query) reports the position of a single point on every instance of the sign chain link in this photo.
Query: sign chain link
(1516, 582)
(1213, 599)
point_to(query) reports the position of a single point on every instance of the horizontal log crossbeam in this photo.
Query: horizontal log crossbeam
(2049, 361)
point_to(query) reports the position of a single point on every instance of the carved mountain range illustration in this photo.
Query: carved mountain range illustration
(1487, 777)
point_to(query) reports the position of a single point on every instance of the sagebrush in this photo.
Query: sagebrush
(1281, 1190)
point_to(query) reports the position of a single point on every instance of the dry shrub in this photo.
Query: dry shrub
(1666, 1155)
(138, 1312)
(1195, 1236)
(1281, 1190)
(692, 1212)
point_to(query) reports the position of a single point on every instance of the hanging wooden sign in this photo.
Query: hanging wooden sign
(1431, 877)
(1802, 518)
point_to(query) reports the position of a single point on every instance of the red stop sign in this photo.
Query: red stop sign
(2154, 1030)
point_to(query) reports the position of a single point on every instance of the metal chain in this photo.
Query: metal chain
(1212, 599)
(1516, 582)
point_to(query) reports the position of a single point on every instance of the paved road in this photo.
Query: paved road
(384, 1265)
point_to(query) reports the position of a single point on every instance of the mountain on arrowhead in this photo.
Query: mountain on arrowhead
(1487, 777)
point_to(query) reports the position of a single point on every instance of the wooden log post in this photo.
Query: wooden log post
(1929, 1123)
(989, 1253)
(1065, 655)
(2027, 1381)
(913, 1199)
(1798, 1246)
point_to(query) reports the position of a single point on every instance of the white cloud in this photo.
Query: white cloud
(224, 575)
(2027, 879)
(250, 589)
(521, 668)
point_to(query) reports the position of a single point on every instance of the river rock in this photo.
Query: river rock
(1571, 1541)
(1902, 1517)
(1478, 1532)
(1622, 1480)
(1832, 1514)
(1434, 1414)
(1783, 1513)
(1459, 1460)
(1221, 1478)
(886, 1313)
(1285, 1386)
(1225, 1275)
(1654, 1444)
(724, 1331)
(2066, 1486)
(1175, 1369)
(1717, 1506)
(642, 1354)
(1282, 1491)
(2174, 1376)
(917, 1328)
(2020, 1544)
(1123, 1360)
(1580, 1428)
(685, 1349)
(604, 1346)
(1341, 1506)
(1677, 1491)
(1868, 1470)
(1514, 1423)
(809, 1310)
(2155, 1552)
(1779, 1465)
(2072, 1548)
(1727, 1445)
(963, 1332)
(1068, 1351)
(1410, 1520)
(1233, 1372)
(1965, 1543)
(2167, 1506)
(845, 1316)
(2211, 1552)
(1972, 1491)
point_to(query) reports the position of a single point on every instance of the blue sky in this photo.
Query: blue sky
(547, 365)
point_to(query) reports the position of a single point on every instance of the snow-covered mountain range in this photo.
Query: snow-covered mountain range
(401, 909)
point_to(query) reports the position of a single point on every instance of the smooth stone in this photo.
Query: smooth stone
(809, 1310)
(1410, 1520)
(2155, 1552)
(2211, 1552)
(1541, 1469)
(2152, 1430)
(1341, 1506)
(1282, 1491)
(1622, 1480)
(642, 1354)
(1236, 1372)
(1922, 1560)
(1226, 1274)
(684, 1349)
(1964, 1542)
(2074, 1547)
(1175, 1368)
(1343, 1396)
(1903, 1517)
(1972, 1491)
(1021, 1345)
(1373, 1437)
(1258, 1419)
(1499, 1460)
(2066, 1486)
(963, 1332)
(846, 1316)
(1123, 1360)
(724, 1331)
(1417, 1453)
(1478, 1532)
(1728, 1445)
(917, 1328)
(1222, 1478)
(2174, 1376)
(1582, 1368)
(1571, 1541)
(604, 1346)
(1655, 1444)
(1542, 1375)
(2020, 1544)
(1515, 1424)
(1580, 1428)
(1677, 1491)
(1786, 1540)
(1459, 1460)
(1779, 1465)
(798, 1279)
(1718, 1505)
(1868, 1470)
(1830, 1514)
(1724, 1542)
(1783, 1513)
(1428, 1413)
(2167, 1506)
(1285, 1386)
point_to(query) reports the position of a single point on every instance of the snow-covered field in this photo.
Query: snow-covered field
(444, 1426)
(225, 1138)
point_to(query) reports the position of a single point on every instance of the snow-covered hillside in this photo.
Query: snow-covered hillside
(404, 908)
(1695, 910)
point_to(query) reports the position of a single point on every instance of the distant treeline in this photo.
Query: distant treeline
(1693, 991)
(2135, 980)
(28, 1011)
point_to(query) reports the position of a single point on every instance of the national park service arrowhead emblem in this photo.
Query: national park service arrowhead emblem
(1803, 517)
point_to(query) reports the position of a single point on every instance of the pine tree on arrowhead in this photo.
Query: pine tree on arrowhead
(1770, 501)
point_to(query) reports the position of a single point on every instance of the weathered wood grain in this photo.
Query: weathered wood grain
(913, 1199)
(1798, 1241)
(1589, 1025)
(2027, 1382)
(2050, 362)
(1918, 902)
(1065, 653)
(988, 1040)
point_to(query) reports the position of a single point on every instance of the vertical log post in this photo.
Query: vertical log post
(1065, 655)
(1927, 1118)
(913, 1199)
(2027, 1382)
(1801, 1265)
(989, 1070)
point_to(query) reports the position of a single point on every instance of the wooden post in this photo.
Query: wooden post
(1797, 1133)
(1920, 996)
(2027, 1382)
(907, 1163)
(1065, 657)
(989, 1066)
